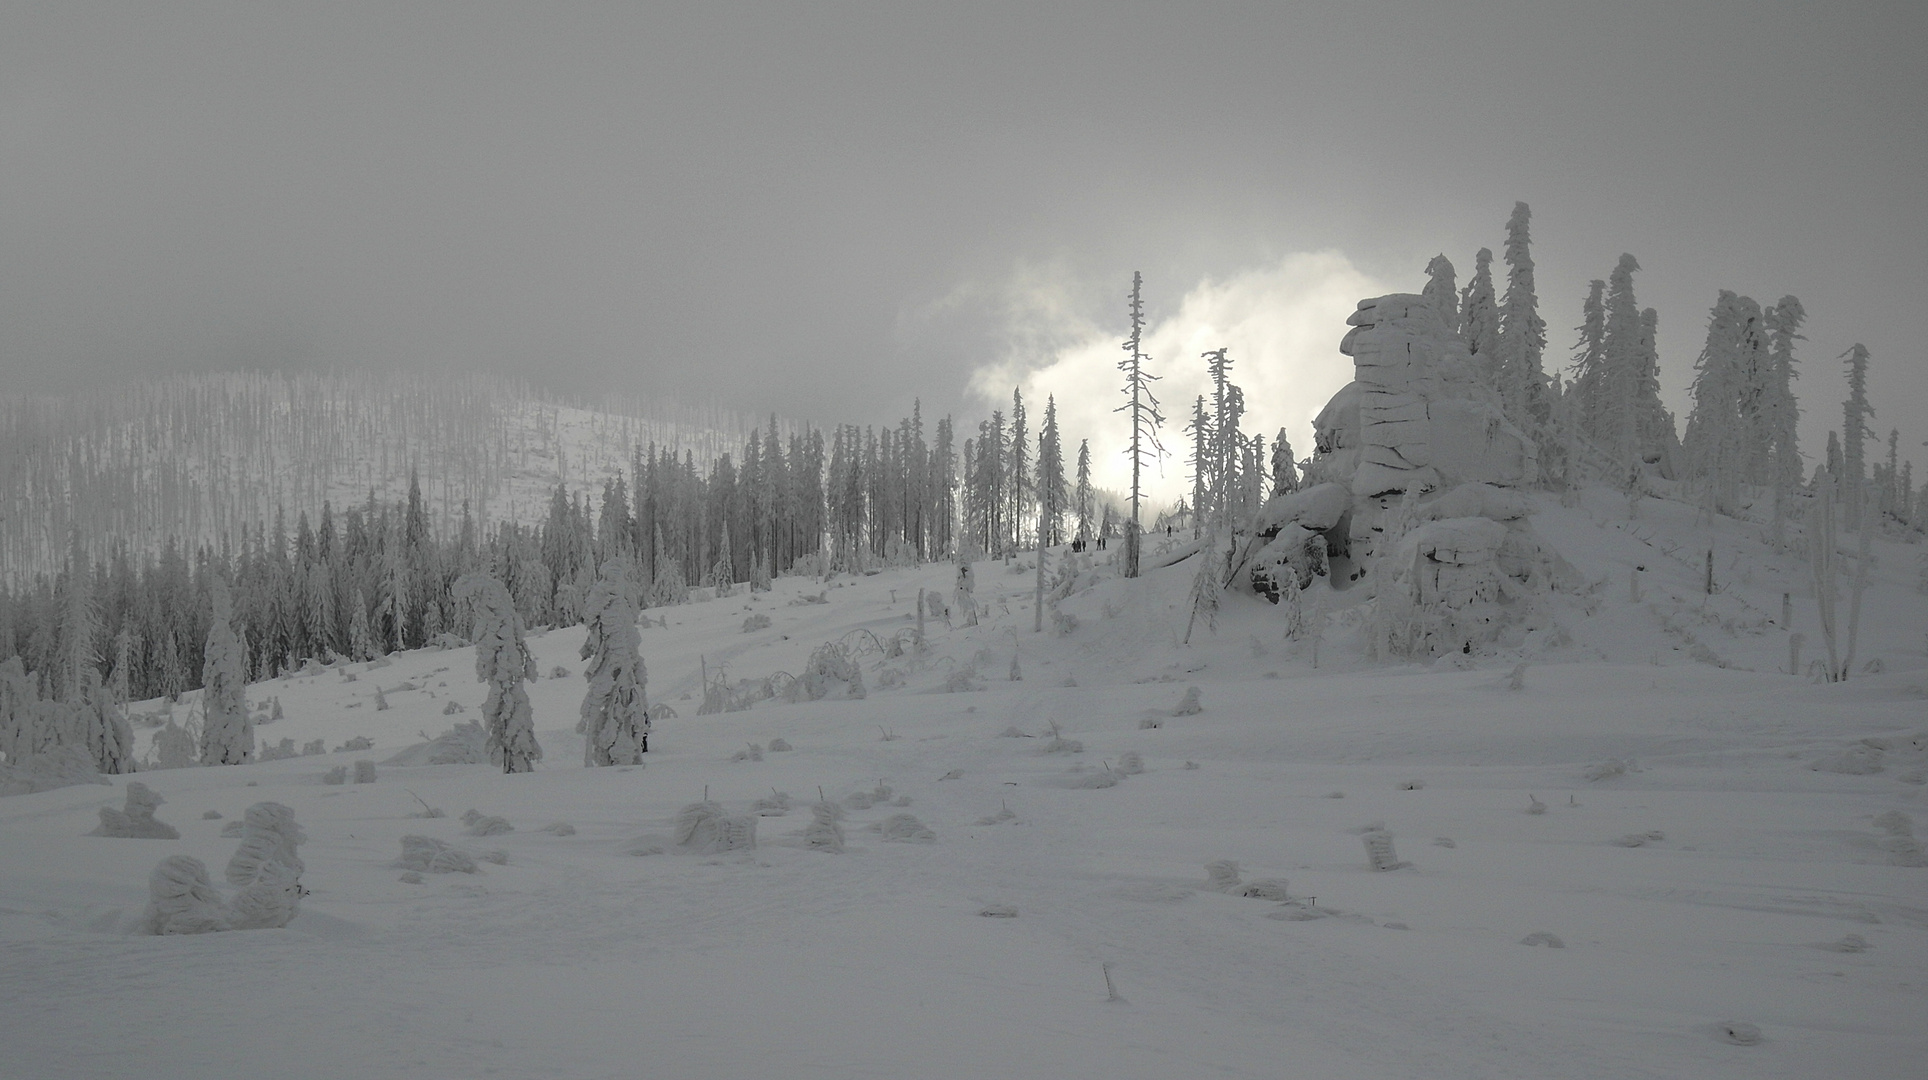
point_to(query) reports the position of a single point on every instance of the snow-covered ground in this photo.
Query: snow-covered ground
(1762, 891)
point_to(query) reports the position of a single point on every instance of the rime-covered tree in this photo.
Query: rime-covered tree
(1019, 482)
(1204, 450)
(1082, 495)
(1049, 486)
(1479, 319)
(1142, 408)
(1522, 334)
(1715, 439)
(1285, 473)
(1586, 395)
(502, 661)
(615, 711)
(1625, 360)
(1855, 432)
(1781, 412)
(227, 731)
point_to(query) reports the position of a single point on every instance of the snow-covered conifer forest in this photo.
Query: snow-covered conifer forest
(903, 752)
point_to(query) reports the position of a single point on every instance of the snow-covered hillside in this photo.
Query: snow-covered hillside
(201, 457)
(1658, 855)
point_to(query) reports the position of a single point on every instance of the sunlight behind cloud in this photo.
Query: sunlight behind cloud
(1282, 322)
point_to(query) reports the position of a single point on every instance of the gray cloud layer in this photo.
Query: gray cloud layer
(768, 202)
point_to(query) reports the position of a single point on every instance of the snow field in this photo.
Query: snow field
(573, 959)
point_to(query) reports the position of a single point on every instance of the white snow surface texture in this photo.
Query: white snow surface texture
(1779, 900)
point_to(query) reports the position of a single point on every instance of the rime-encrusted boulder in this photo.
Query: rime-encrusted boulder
(136, 819)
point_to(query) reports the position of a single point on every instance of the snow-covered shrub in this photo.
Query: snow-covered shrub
(211, 815)
(778, 746)
(824, 833)
(233, 830)
(359, 742)
(464, 744)
(1265, 889)
(174, 746)
(1058, 744)
(425, 854)
(61, 766)
(181, 899)
(752, 752)
(1860, 759)
(1379, 852)
(831, 668)
(776, 804)
(1190, 705)
(1130, 763)
(1222, 875)
(503, 662)
(270, 901)
(560, 828)
(756, 622)
(905, 828)
(1003, 815)
(364, 772)
(381, 700)
(452, 708)
(1542, 937)
(487, 825)
(136, 819)
(284, 749)
(1607, 770)
(704, 829)
(314, 746)
(1103, 778)
(269, 836)
(335, 776)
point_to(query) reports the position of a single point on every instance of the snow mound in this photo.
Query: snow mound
(136, 820)
(425, 854)
(60, 767)
(905, 828)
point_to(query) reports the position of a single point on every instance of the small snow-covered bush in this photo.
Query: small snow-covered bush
(337, 775)
(1541, 937)
(1607, 770)
(1058, 744)
(1190, 705)
(488, 825)
(136, 820)
(1130, 763)
(1103, 778)
(776, 804)
(905, 828)
(755, 623)
(824, 833)
(753, 752)
(560, 828)
(284, 749)
(778, 746)
(364, 772)
(359, 742)
(1857, 760)
(703, 828)
(428, 855)
(270, 901)
(316, 746)
(464, 744)
(181, 899)
(269, 835)
(1379, 851)
(1222, 874)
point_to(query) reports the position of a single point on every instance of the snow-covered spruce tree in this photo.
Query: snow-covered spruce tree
(227, 731)
(1624, 361)
(1145, 417)
(18, 713)
(1082, 496)
(361, 642)
(1049, 487)
(1200, 429)
(615, 711)
(1856, 412)
(1479, 319)
(1781, 413)
(1522, 334)
(1285, 474)
(1713, 442)
(503, 662)
(1586, 396)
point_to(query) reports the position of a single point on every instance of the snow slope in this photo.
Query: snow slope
(574, 959)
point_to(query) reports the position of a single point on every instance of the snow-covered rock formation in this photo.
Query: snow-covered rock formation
(1411, 488)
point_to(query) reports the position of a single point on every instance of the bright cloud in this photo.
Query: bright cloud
(1282, 322)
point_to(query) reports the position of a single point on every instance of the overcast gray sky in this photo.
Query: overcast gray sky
(827, 209)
